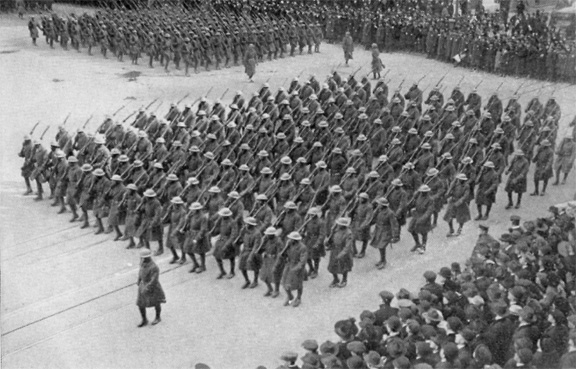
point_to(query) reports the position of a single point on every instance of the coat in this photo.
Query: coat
(421, 215)
(249, 260)
(361, 222)
(487, 187)
(341, 259)
(314, 234)
(150, 225)
(269, 254)
(517, 175)
(132, 218)
(544, 160)
(197, 240)
(150, 292)
(224, 247)
(294, 268)
(458, 203)
(386, 228)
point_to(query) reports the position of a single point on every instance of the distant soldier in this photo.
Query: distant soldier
(386, 229)
(377, 64)
(458, 199)
(348, 47)
(249, 260)
(268, 250)
(150, 228)
(487, 181)
(250, 58)
(33, 28)
(544, 160)
(224, 247)
(27, 168)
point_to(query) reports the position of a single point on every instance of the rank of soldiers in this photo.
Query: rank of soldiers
(201, 36)
(281, 178)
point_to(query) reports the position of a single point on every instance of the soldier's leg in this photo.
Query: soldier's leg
(382, 263)
(417, 243)
(100, 225)
(221, 267)
(424, 242)
(246, 279)
(232, 267)
(118, 233)
(141, 243)
(131, 244)
(254, 283)
(335, 281)
(518, 200)
(86, 223)
(269, 291)
(143, 315)
(510, 201)
(289, 297)
(150, 60)
(160, 250)
(28, 186)
(363, 251)
(202, 267)
(74, 212)
(316, 266)
(158, 309)
(479, 216)
(434, 219)
(488, 208)
(536, 185)
(459, 231)
(557, 181)
(62, 205)
(451, 228)
(565, 177)
(310, 263)
(298, 299)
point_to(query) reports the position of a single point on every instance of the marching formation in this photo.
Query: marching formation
(198, 37)
(280, 179)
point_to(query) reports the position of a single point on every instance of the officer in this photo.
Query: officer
(420, 224)
(224, 247)
(516, 183)
(293, 257)
(544, 160)
(458, 199)
(339, 242)
(386, 229)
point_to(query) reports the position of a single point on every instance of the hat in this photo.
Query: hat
(489, 164)
(519, 152)
(225, 212)
(116, 177)
(432, 172)
(227, 162)
(270, 231)
(343, 221)
(193, 148)
(195, 206)
(383, 158)
(214, 189)
(321, 164)
(262, 153)
(209, 155)
(132, 186)
(295, 236)
(386, 296)
(261, 197)
(98, 172)
(250, 221)
(329, 348)
(266, 170)
(461, 176)
(383, 201)
(150, 193)
(397, 182)
(310, 345)
(429, 275)
(193, 181)
(158, 166)
(234, 194)
(290, 205)
(244, 167)
(177, 200)
(350, 170)
(145, 253)
(424, 188)
(72, 159)
(286, 160)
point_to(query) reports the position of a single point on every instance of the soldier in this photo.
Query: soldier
(193, 228)
(115, 198)
(544, 159)
(377, 64)
(421, 218)
(339, 242)
(348, 47)
(39, 160)
(150, 228)
(250, 61)
(361, 215)
(150, 293)
(33, 28)
(249, 259)
(85, 194)
(224, 247)
(28, 167)
(130, 205)
(386, 229)
(60, 174)
(293, 257)
(565, 155)
(269, 249)
(487, 181)
(517, 171)
(458, 199)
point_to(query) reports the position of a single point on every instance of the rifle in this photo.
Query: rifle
(478, 85)
(441, 79)
(130, 116)
(460, 81)
(34, 128)
(401, 83)
(149, 105)
(182, 99)
(119, 110)
(43, 133)
(87, 120)
(224, 94)
(65, 120)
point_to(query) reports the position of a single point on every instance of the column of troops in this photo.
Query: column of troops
(283, 178)
(173, 36)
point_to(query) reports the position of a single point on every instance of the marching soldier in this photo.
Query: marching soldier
(516, 183)
(269, 249)
(458, 199)
(224, 247)
(60, 173)
(193, 230)
(249, 260)
(361, 216)
(39, 160)
(293, 256)
(130, 205)
(420, 225)
(487, 181)
(544, 160)
(339, 242)
(150, 228)
(115, 198)
(28, 167)
(386, 229)
(348, 47)
(565, 155)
